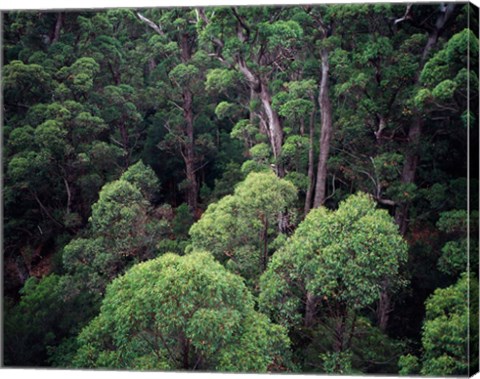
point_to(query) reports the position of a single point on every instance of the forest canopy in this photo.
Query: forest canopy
(247, 189)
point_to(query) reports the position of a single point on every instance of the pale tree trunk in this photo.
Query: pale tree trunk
(325, 133)
(274, 130)
(311, 163)
(274, 127)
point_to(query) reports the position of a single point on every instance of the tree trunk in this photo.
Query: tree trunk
(310, 310)
(189, 154)
(189, 148)
(415, 131)
(409, 170)
(274, 127)
(325, 133)
(384, 307)
(311, 163)
(275, 130)
(58, 27)
(340, 328)
(125, 143)
(186, 352)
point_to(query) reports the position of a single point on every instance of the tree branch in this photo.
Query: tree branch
(151, 24)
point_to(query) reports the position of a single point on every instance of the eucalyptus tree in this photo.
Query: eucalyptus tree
(181, 313)
(433, 21)
(451, 320)
(122, 230)
(258, 43)
(333, 268)
(241, 230)
(183, 67)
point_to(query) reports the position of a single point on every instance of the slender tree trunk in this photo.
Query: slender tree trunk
(384, 306)
(116, 76)
(340, 328)
(58, 27)
(189, 155)
(325, 133)
(409, 170)
(186, 352)
(311, 163)
(189, 148)
(310, 310)
(125, 142)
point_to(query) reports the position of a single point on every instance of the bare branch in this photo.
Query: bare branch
(406, 16)
(150, 23)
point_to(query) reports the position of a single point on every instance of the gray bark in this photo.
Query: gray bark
(311, 163)
(325, 133)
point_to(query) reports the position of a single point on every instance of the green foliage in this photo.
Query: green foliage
(41, 319)
(455, 254)
(25, 83)
(341, 256)
(221, 80)
(445, 331)
(182, 221)
(84, 102)
(122, 230)
(225, 110)
(181, 313)
(408, 365)
(143, 178)
(337, 363)
(183, 74)
(239, 228)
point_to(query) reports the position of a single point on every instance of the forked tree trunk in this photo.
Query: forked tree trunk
(275, 130)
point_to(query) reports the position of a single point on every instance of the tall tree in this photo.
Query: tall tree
(333, 267)
(186, 76)
(181, 313)
(256, 43)
(433, 24)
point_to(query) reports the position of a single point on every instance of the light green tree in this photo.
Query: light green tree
(332, 268)
(445, 334)
(122, 230)
(186, 313)
(240, 229)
